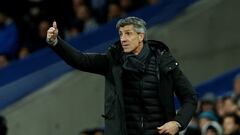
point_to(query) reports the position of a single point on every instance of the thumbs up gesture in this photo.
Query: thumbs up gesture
(52, 34)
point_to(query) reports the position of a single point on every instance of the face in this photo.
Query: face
(237, 86)
(203, 121)
(131, 41)
(2, 18)
(43, 28)
(229, 125)
(3, 61)
(82, 12)
(219, 107)
(114, 11)
(229, 106)
(98, 133)
(211, 132)
(207, 106)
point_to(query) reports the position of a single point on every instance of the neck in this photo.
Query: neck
(138, 49)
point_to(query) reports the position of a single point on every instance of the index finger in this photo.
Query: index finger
(160, 128)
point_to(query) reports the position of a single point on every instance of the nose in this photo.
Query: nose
(123, 38)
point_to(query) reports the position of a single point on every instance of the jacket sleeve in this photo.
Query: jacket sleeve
(187, 97)
(88, 62)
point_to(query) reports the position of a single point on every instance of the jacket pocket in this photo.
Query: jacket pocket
(109, 111)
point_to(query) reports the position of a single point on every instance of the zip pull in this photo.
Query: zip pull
(142, 123)
(162, 52)
(157, 68)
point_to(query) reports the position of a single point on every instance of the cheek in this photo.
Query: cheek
(229, 127)
(135, 40)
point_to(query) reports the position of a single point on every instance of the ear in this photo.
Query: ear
(141, 36)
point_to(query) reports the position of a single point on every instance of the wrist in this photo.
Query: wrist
(52, 42)
(178, 124)
(55, 42)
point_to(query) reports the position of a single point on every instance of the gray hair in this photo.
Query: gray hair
(138, 24)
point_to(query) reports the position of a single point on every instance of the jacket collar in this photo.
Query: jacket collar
(116, 49)
(134, 62)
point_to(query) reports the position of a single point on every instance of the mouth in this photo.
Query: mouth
(125, 45)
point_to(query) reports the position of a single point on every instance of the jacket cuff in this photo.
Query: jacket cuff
(180, 124)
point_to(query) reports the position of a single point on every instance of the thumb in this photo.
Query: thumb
(55, 24)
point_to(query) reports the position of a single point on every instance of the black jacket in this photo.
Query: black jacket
(172, 81)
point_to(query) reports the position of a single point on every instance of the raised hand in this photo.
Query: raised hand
(52, 34)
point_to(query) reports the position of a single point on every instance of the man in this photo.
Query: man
(141, 79)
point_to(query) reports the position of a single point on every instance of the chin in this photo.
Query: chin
(126, 51)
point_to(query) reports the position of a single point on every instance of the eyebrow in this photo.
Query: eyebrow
(125, 31)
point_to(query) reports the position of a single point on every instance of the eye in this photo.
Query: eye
(120, 34)
(128, 33)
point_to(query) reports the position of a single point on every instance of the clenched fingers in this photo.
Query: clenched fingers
(52, 34)
(169, 128)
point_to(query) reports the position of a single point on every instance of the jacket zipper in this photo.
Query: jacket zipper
(142, 123)
(141, 117)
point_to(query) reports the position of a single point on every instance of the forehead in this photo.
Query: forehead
(229, 118)
(126, 28)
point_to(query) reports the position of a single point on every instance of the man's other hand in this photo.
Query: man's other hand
(169, 128)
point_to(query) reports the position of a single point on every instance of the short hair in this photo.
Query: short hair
(138, 24)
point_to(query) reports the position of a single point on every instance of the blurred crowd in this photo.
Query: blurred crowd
(218, 115)
(24, 23)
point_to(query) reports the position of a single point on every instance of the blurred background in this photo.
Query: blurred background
(41, 95)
